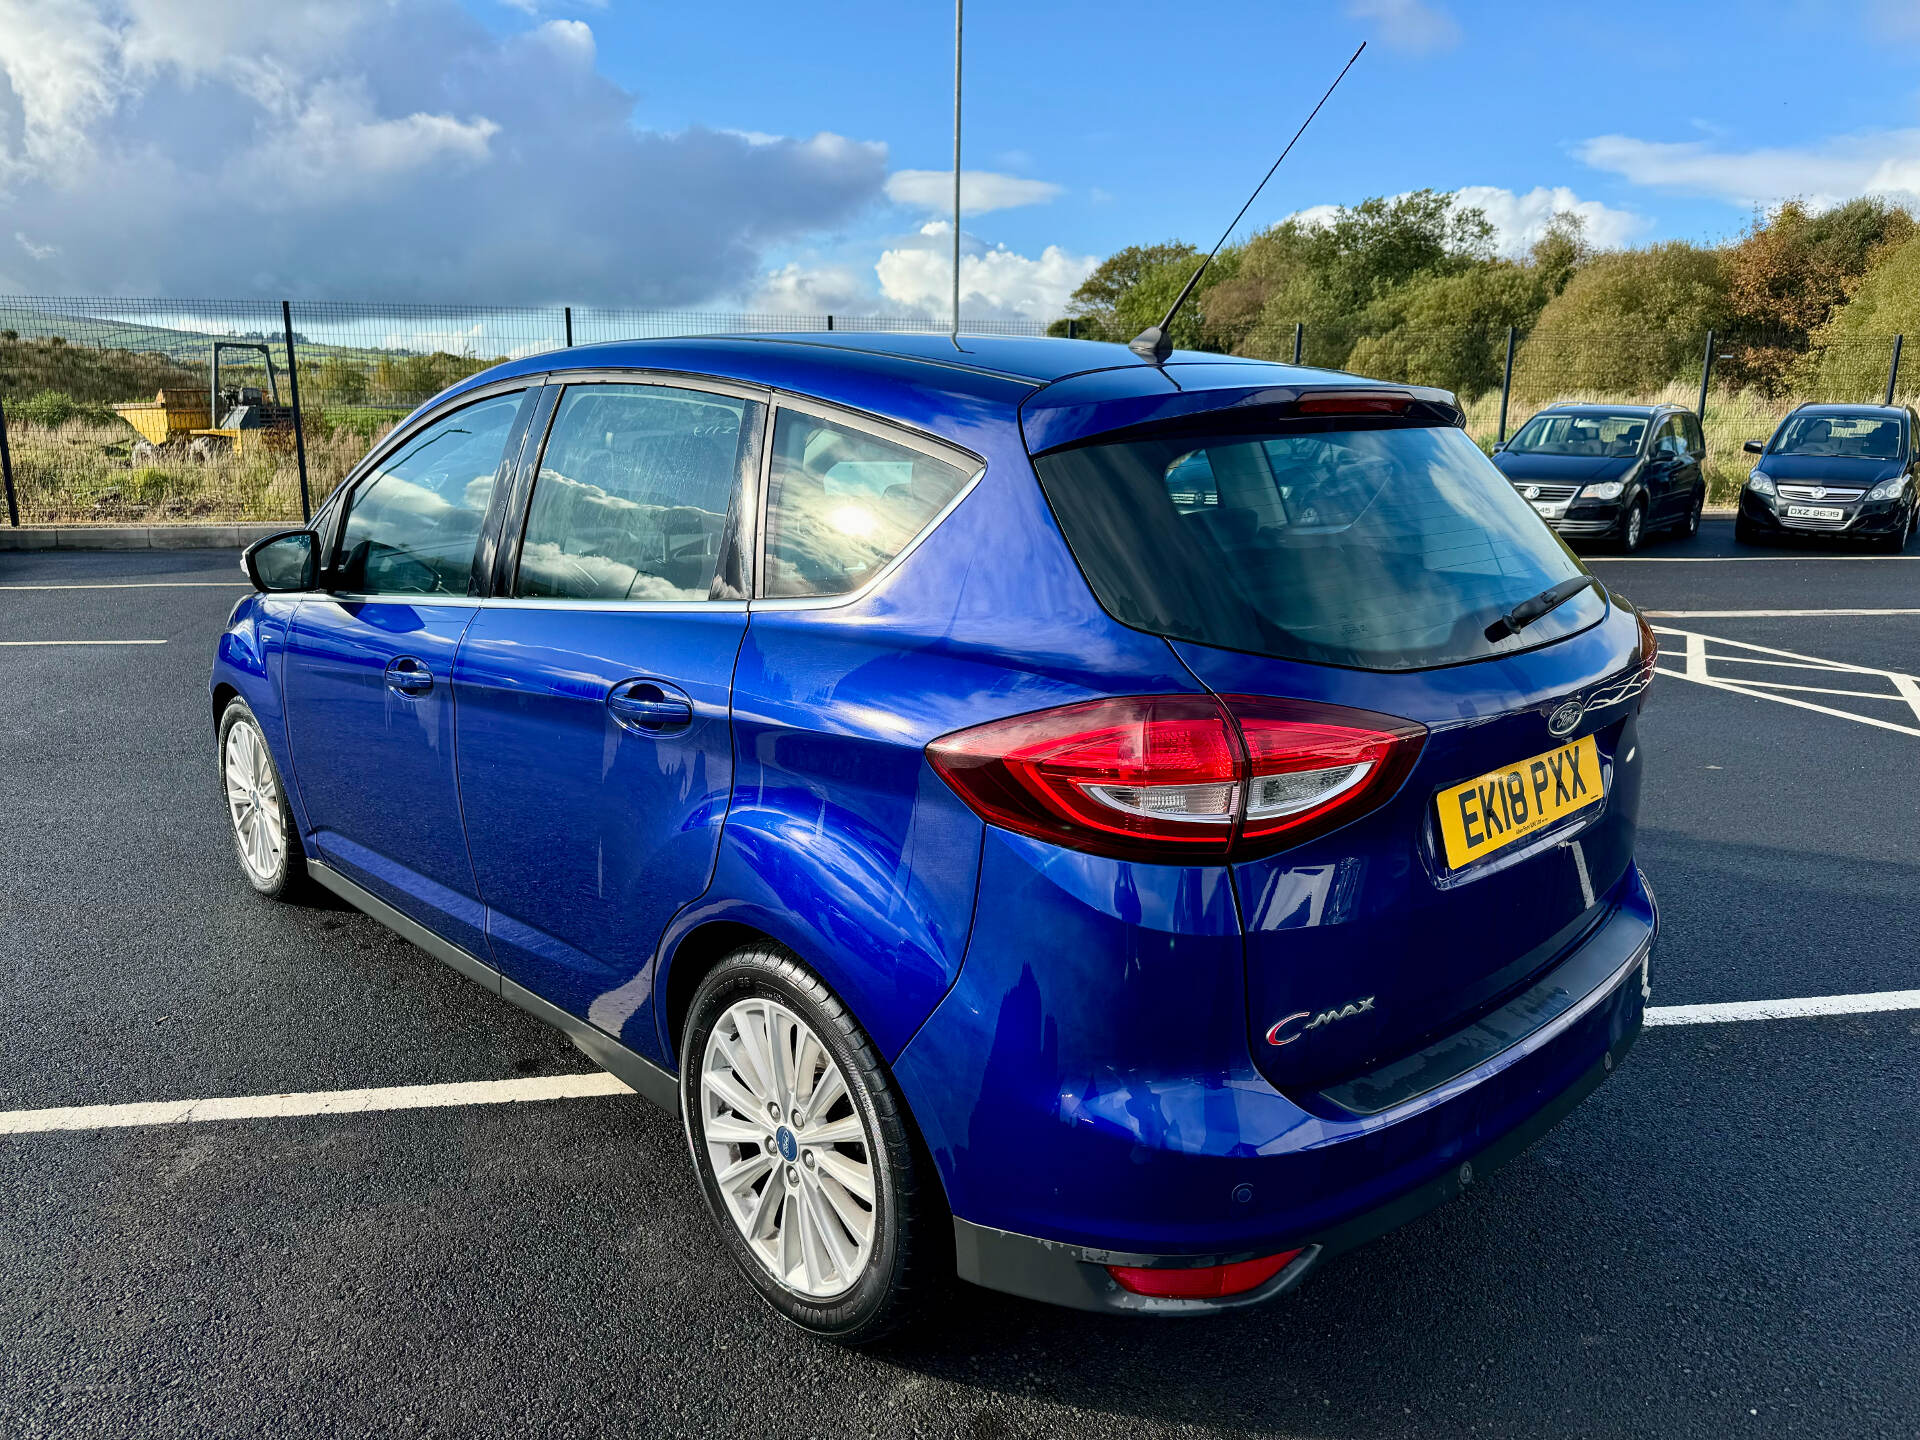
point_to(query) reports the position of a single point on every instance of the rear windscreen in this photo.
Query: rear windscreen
(1382, 548)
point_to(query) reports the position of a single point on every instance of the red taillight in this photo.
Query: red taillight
(1145, 777)
(1312, 767)
(1204, 1282)
(1178, 778)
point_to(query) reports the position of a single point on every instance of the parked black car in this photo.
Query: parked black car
(1610, 472)
(1835, 470)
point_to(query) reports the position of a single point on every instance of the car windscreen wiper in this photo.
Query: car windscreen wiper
(1528, 611)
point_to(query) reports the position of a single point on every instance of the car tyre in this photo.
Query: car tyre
(259, 817)
(845, 1237)
(1896, 543)
(1744, 531)
(1633, 529)
(1690, 524)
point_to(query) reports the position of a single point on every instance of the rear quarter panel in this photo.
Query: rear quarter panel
(841, 842)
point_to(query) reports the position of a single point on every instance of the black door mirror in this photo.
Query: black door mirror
(1498, 446)
(1755, 447)
(282, 562)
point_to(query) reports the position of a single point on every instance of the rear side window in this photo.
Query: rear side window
(1696, 442)
(632, 496)
(412, 527)
(841, 503)
(1389, 548)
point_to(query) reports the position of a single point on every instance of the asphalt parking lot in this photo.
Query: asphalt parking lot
(1721, 1241)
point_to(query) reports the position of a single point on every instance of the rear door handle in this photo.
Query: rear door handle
(409, 676)
(648, 707)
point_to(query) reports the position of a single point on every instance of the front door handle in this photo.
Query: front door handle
(409, 676)
(647, 707)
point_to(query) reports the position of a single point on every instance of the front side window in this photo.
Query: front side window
(1387, 548)
(1856, 437)
(1672, 439)
(411, 528)
(841, 503)
(633, 492)
(1610, 437)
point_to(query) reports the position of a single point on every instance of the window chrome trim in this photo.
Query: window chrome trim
(514, 602)
(894, 433)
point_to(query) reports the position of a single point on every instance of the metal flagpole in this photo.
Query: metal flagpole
(959, 7)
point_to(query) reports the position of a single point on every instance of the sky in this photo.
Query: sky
(795, 159)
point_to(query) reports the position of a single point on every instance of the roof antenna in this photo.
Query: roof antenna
(1155, 343)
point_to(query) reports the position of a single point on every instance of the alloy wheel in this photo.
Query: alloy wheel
(1636, 520)
(253, 802)
(789, 1153)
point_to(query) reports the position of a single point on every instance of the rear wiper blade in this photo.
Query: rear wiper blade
(1528, 611)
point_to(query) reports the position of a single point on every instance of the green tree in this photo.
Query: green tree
(1097, 304)
(1628, 321)
(341, 381)
(1450, 330)
(1788, 274)
(1851, 352)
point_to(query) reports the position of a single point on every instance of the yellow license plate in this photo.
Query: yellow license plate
(1496, 809)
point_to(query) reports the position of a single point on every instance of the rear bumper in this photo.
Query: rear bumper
(1330, 1180)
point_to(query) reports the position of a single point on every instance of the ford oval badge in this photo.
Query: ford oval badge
(1562, 721)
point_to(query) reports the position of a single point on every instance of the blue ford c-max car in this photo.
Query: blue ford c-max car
(1117, 832)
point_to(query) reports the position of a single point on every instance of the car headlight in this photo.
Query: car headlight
(1759, 484)
(1605, 490)
(1887, 489)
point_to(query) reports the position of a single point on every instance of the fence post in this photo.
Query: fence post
(299, 429)
(1706, 374)
(569, 319)
(1893, 371)
(1506, 387)
(6, 470)
(829, 322)
(1072, 328)
(1299, 339)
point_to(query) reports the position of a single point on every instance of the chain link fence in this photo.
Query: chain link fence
(1742, 384)
(118, 411)
(181, 411)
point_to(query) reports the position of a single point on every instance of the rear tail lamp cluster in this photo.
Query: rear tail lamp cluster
(1179, 779)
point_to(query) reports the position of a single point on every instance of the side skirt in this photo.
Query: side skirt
(629, 1066)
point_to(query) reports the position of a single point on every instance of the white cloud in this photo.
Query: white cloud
(1825, 173)
(1411, 25)
(1521, 219)
(799, 289)
(995, 283)
(35, 252)
(980, 190)
(365, 149)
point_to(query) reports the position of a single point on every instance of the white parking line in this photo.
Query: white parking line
(1784, 1009)
(316, 1102)
(579, 1087)
(1729, 559)
(240, 584)
(16, 644)
(1764, 614)
(1697, 659)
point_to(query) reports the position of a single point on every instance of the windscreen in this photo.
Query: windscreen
(1381, 548)
(1859, 437)
(1609, 437)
